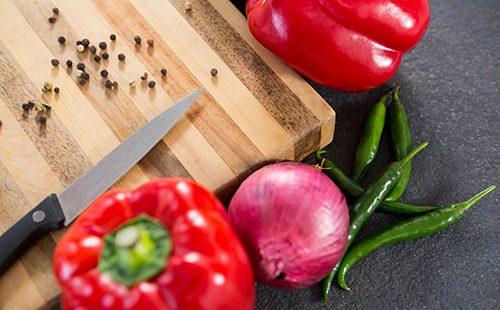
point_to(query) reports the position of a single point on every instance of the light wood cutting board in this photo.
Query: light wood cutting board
(255, 110)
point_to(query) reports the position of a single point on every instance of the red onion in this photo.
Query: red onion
(293, 221)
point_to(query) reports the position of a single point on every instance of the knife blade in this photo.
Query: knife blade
(57, 211)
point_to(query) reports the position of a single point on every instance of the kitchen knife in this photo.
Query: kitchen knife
(57, 211)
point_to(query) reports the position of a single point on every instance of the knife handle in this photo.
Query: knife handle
(45, 217)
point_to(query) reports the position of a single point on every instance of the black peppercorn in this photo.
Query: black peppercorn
(103, 45)
(144, 76)
(46, 106)
(105, 56)
(85, 76)
(137, 39)
(108, 84)
(56, 90)
(69, 63)
(104, 73)
(25, 106)
(92, 49)
(54, 62)
(31, 103)
(121, 57)
(61, 40)
(97, 58)
(42, 120)
(150, 42)
(112, 37)
(115, 84)
(81, 81)
(163, 71)
(85, 42)
(80, 66)
(214, 72)
(151, 84)
(55, 11)
(52, 19)
(78, 42)
(0, 123)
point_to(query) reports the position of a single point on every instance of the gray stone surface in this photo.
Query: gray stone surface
(450, 87)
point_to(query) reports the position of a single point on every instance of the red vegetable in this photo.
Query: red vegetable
(350, 45)
(165, 245)
(293, 221)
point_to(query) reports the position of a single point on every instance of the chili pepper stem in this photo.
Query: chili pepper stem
(395, 95)
(466, 205)
(414, 152)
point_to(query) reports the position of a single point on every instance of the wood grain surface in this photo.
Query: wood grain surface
(254, 111)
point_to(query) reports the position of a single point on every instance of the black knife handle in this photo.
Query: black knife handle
(44, 218)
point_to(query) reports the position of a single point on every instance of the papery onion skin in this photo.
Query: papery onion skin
(293, 221)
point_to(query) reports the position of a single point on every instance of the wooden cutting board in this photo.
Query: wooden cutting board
(255, 110)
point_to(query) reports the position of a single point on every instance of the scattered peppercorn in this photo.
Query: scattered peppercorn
(188, 6)
(56, 90)
(103, 45)
(108, 84)
(52, 19)
(1, 123)
(46, 106)
(47, 86)
(78, 73)
(151, 84)
(31, 103)
(112, 37)
(80, 66)
(82, 81)
(25, 107)
(150, 42)
(85, 76)
(137, 39)
(104, 73)
(54, 62)
(92, 49)
(214, 72)
(121, 57)
(69, 63)
(85, 42)
(131, 84)
(144, 76)
(163, 71)
(105, 56)
(55, 11)
(80, 48)
(78, 42)
(115, 84)
(97, 58)
(61, 40)
(42, 120)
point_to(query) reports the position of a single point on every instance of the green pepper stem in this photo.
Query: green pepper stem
(466, 205)
(395, 95)
(414, 152)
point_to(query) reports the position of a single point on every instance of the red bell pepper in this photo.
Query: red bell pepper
(165, 245)
(350, 45)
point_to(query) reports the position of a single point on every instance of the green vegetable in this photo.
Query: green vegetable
(411, 229)
(401, 143)
(368, 202)
(347, 185)
(370, 139)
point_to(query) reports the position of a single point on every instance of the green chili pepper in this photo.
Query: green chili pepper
(411, 229)
(370, 139)
(401, 143)
(368, 202)
(347, 185)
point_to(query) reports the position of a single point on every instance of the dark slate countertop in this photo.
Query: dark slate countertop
(450, 88)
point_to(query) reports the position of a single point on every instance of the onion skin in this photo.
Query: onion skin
(293, 221)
